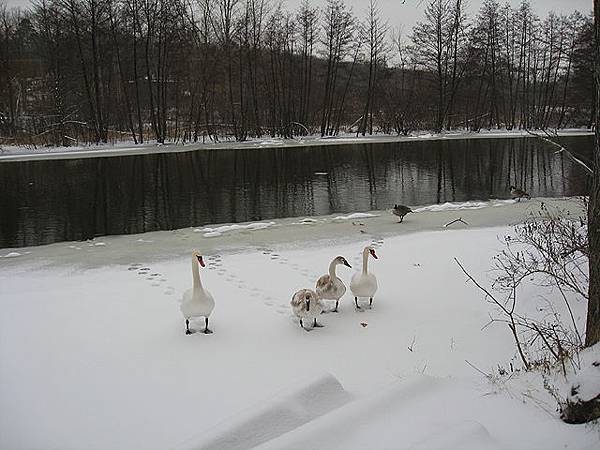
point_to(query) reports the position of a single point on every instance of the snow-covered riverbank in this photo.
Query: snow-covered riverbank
(26, 153)
(94, 353)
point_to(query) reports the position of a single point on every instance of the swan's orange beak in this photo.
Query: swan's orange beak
(200, 260)
(373, 253)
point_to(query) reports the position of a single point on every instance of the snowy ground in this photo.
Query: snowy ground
(93, 351)
(28, 153)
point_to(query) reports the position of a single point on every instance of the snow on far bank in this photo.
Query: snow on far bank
(306, 221)
(219, 231)
(25, 153)
(11, 255)
(356, 216)
(110, 339)
(449, 206)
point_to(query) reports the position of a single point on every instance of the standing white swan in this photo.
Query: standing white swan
(364, 284)
(307, 305)
(197, 301)
(330, 287)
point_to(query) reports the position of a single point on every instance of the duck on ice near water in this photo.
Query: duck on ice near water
(401, 211)
(197, 301)
(330, 287)
(364, 284)
(307, 305)
(518, 193)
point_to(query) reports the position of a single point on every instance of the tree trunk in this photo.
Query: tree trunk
(592, 335)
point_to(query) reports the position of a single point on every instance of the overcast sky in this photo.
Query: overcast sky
(407, 14)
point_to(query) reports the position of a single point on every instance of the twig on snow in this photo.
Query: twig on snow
(487, 375)
(456, 220)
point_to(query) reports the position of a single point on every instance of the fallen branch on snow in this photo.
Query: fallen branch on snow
(456, 220)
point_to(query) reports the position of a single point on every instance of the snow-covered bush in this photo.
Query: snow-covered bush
(547, 256)
(539, 289)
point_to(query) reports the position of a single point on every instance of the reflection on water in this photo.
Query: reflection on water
(49, 201)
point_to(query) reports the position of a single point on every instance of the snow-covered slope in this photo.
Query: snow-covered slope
(93, 351)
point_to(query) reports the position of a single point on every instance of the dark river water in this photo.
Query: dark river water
(61, 200)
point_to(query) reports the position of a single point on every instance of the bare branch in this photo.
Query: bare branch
(561, 149)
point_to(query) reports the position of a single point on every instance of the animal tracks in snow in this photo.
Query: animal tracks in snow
(254, 289)
(156, 279)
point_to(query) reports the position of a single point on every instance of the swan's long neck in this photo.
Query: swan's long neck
(332, 274)
(365, 261)
(196, 274)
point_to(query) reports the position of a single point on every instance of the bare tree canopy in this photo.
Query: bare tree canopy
(189, 70)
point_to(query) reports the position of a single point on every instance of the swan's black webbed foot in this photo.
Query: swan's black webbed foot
(188, 332)
(207, 331)
(356, 302)
(317, 325)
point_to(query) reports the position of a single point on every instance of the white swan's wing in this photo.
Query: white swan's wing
(186, 297)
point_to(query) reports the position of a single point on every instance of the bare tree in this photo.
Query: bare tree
(307, 20)
(338, 32)
(373, 31)
(440, 41)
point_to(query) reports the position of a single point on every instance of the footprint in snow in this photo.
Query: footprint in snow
(170, 290)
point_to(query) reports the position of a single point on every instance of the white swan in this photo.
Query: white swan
(307, 305)
(364, 284)
(197, 301)
(330, 287)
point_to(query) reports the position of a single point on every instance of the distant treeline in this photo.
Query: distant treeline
(188, 70)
